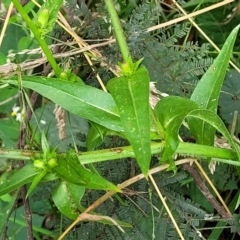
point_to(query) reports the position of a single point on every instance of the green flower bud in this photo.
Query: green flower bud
(64, 75)
(52, 163)
(126, 69)
(39, 163)
(43, 18)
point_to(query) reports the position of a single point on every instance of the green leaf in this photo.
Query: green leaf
(85, 101)
(7, 98)
(128, 68)
(171, 112)
(215, 121)
(76, 193)
(9, 132)
(95, 136)
(67, 173)
(6, 198)
(91, 179)
(64, 201)
(36, 180)
(207, 91)
(131, 95)
(22, 176)
(44, 145)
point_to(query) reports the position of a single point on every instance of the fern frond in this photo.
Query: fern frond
(186, 207)
(165, 179)
(170, 38)
(142, 17)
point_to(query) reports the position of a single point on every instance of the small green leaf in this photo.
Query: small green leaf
(95, 136)
(22, 176)
(128, 68)
(36, 180)
(68, 75)
(82, 100)
(207, 91)
(64, 202)
(171, 112)
(131, 95)
(91, 179)
(44, 145)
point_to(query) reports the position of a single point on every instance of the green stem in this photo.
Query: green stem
(118, 31)
(184, 149)
(37, 35)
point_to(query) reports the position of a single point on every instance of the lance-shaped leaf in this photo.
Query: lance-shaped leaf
(66, 173)
(22, 176)
(131, 94)
(92, 180)
(82, 100)
(36, 181)
(207, 91)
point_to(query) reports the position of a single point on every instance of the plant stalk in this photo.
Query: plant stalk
(184, 149)
(37, 35)
(118, 31)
